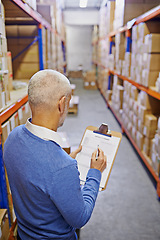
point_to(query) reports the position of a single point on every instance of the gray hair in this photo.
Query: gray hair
(46, 87)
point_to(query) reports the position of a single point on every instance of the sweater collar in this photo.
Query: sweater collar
(43, 133)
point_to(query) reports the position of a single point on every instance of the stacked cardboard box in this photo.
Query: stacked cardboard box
(145, 58)
(119, 51)
(103, 51)
(27, 63)
(89, 80)
(130, 111)
(103, 22)
(74, 102)
(126, 10)
(4, 89)
(140, 117)
(117, 94)
(155, 150)
(103, 80)
(10, 72)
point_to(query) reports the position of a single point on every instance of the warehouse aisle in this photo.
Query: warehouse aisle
(128, 209)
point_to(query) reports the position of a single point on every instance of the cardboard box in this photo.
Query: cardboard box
(4, 224)
(134, 92)
(149, 132)
(140, 126)
(153, 62)
(145, 100)
(135, 121)
(142, 111)
(5, 131)
(151, 121)
(157, 143)
(156, 163)
(134, 133)
(148, 27)
(147, 146)
(65, 142)
(152, 43)
(135, 107)
(149, 77)
(139, 140)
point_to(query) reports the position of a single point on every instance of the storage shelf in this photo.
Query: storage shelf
(140, 87)
(153, 13)
(149, 167)
(98, 64)
(148, 15)
(32, 15)
(12, 109)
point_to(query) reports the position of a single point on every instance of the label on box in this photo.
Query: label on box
(12, 123)
(145, 130)
(3, 99)
(86, 84)
(92, 83)
(26, 108)
(20, 114)
(8, 128)
(154, 157)
(159, 123)
(156, 139)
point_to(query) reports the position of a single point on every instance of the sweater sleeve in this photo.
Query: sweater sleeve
(75, 204)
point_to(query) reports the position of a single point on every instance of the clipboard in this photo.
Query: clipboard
(109, 143)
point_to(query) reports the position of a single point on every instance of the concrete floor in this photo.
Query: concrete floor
(128, 209)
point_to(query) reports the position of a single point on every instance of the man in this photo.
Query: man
(48, 200)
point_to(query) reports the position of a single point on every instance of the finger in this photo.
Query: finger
(94, 154)
(101, 153)
(78, 149)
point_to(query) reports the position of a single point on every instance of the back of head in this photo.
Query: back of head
(46, 87)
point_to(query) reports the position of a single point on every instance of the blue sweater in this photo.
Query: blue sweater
(48, 200)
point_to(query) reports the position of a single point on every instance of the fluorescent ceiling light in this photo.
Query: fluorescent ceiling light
(83, 3)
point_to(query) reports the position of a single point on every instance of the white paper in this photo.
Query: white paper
(89, 144)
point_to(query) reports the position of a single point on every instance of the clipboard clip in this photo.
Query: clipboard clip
(103, 129)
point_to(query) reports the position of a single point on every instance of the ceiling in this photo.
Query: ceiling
(74, 4)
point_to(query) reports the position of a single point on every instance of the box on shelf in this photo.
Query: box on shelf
(4, 224)
(139, 140)
(149, 77)
(142, 111)
(73, 104)
(153, 62)
(157, 143)
(5, 131)
(151, 121)
(152, 43)
(148, 27)
(65, 142)
(147, 146)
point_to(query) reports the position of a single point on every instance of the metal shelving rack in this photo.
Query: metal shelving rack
(26, 15)
(153, 13)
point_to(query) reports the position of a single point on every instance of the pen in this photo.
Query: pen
(97, 154)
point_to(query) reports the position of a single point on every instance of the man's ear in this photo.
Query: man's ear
(61, 104)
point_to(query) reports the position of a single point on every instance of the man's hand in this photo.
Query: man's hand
(101, 161)
(74, 154)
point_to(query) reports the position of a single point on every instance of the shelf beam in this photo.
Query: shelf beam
(140, 87)
(6, 114)
(148, 15)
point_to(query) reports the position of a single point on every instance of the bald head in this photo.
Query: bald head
(46, 87)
